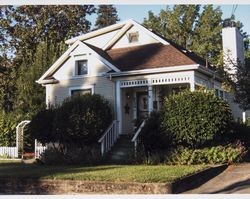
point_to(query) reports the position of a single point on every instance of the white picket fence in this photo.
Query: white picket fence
(9, 152)
(39, 149)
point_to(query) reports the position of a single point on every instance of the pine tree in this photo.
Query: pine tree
(106, 15)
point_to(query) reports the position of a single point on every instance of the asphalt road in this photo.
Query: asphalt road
(235, 179)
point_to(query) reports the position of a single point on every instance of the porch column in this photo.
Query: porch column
(118, 106)
(150, 99)
(192, 82)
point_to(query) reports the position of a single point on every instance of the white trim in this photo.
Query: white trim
(65, 56)
(96, 33)
(58, 62)
(156, 70)
(150, 99)
(82, 88)
(192, 82)
(138, 25)
(117, 36)
(75, 70)
(118, 105)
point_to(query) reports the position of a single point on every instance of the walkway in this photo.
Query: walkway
(235, 179)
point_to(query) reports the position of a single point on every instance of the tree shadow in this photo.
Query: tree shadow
(20, 178)
(233, 188)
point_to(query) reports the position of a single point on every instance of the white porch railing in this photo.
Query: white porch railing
(135, 138)
(39, 149)
(109, 137)
(9, 152)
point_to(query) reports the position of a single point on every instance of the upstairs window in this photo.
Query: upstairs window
(81, 67)
(133, 37)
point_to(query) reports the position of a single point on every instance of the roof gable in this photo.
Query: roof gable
(49, 73)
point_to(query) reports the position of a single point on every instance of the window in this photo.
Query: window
(133, 37)
(80, 92)
(81, 67)
(219, 93)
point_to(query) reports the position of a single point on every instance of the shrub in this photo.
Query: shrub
(73, 155)
(8, 123)
(151, 134)
(230, 153)
(240, 132)
(41, 126)
(81, 120)
(195, 118)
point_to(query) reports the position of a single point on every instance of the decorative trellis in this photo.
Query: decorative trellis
(19, 136)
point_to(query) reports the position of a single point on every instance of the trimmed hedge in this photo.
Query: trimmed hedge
(195, 119)
(78, 122)
(231, 153)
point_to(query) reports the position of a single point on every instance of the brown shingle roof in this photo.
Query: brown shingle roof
(148, 56)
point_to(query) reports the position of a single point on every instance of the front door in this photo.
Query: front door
(142, 105)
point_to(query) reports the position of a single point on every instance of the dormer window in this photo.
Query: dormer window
(133, 37)
(81, 67)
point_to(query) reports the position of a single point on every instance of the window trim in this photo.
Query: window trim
(130, 34)
(81, 88)
(76, 67)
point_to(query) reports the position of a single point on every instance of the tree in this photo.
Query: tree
(242, 85)
(207, 34)
(106, 15)
(35, 35)
(175, 24)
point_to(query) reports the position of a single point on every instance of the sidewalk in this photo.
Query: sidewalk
(235, 179)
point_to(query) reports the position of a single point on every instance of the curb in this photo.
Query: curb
(195, 180)
(54, 186)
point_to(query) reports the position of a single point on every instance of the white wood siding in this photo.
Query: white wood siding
(102, 86)
(143, 39)
(67, 70)
(102, 40)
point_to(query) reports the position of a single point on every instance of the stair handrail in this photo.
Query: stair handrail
(135, 138)
(109, 137)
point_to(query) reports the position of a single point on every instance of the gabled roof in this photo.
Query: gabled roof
(49, 73)
(150, 56)
(123, 26)
(154, 56)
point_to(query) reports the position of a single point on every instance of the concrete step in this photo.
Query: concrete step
(122, 151)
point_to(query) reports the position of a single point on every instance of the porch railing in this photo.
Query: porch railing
(135, 139)
(109, 137)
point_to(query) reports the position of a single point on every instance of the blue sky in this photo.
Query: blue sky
(139, 12)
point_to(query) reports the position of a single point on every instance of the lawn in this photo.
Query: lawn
(111, 173)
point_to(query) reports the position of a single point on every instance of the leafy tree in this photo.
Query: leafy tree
(242, 85)
(106, 15)
(35, 35)
(175, 24)
(207, 40)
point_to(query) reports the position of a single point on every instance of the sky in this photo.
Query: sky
(139, 12)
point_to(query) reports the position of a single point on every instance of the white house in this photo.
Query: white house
(131, 66)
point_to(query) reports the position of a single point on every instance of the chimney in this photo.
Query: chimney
(233, 46)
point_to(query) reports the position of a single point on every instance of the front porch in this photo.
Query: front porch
(137, 96)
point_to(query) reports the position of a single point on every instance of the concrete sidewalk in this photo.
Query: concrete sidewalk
(235, 179)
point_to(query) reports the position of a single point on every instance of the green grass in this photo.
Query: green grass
(111, 173)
